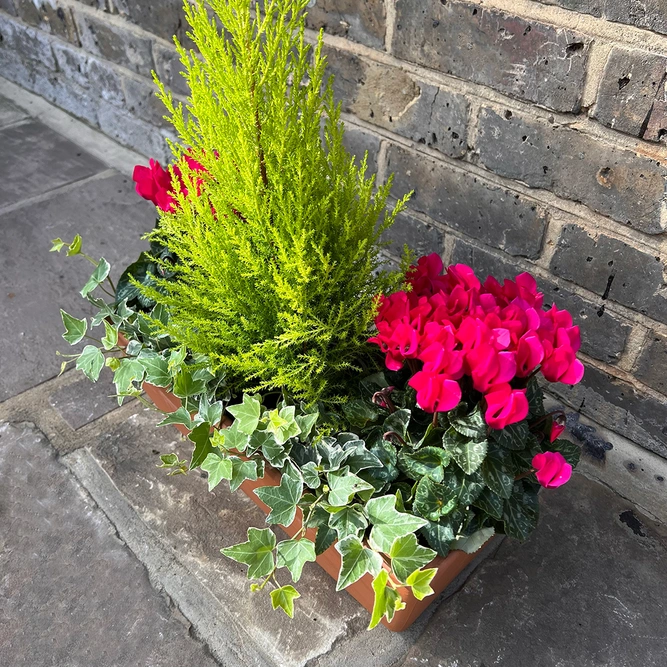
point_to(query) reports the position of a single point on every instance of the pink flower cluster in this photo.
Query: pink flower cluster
(456, 326)
(155, 183)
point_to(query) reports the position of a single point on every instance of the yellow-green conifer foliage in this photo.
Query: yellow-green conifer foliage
(279, 265)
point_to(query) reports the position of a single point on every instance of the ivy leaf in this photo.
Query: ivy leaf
(210, 412)
(360, 412)
(332, 454)
(356, 561)
(283, 424)
(234, 438)
(57, 245)
(513, 436)
(218, 468)
(468, 454)
(75, 246)
(471, 426)
(427, 461)
(129, 371)
(420, 581)
(398, 422)
(311, 475)
(156, 367)
(75, 329)
(180, 416)
(388, 524)
(256, 553)
(274, 453)
(241, 471)
(282, 500)
(185, 385)
(495, 471)
(90, 362)
(284, 597)
(306, 423)
(407, 555)
(326, 535)
(177, 357)
(433, 500)
(387, 600)
(294, 554)
(200, 435)
(343, 485)
(491, 503)
(349, 521)
(474, 542)
(246, 413)
(99, 275)
(571, 452)
(438, 535)
(110, 339)
(360, 458)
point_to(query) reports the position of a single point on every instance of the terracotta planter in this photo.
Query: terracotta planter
(448, 568)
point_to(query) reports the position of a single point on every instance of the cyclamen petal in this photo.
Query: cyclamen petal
(435, 392)
(505, 406)
(551, 469)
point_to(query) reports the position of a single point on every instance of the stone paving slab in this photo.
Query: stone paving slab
(9, 112)
(587, 590)
(35, 284)
(72, 593)
(34, 159)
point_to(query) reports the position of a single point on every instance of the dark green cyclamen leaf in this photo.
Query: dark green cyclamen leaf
(526, 492)
(474, 542)
(359, 412)
(433, 500)
(282, 500)
(471, 486)
(256, 553)
(294, 554)
(468, 454)
(470, 425)
(356, 561)
(427, 461)
(349, 521)
(535, 397)
(75, 329)
(491, 503)
(497, 471)
(201, 436)
(407, 556)
(143, 271)
(519, 523)
(398, 422)
(514, 436)
(90, 362)
(360, 458)
(438, 535)
(571, 452)
(343, 485)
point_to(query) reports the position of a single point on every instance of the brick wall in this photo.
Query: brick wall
(533, 133)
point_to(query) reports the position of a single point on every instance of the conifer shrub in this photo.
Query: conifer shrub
(276, 229)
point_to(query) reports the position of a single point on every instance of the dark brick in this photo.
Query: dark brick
(142, 102)
(53, 17)
(631, 81)
(656, 124)
(360, 21)
(419, 236)
(612, 269)
(462, 201)
(620, 407)
(358, 142)
(627, 187)
(10, 113)
(526, 59)
(8, 6)
(115, 43)
(649, 14)
(603, 336)
(164, 18)
(652, 362)
(168, 67)
(391, 98)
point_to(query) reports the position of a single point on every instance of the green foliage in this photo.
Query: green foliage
(279, 264)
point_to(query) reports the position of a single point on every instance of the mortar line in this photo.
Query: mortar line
(591, 220)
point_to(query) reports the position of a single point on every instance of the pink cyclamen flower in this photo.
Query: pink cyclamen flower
(551, 469)
(435, 392)
(505, 406)
(154, 183)
(556, 430)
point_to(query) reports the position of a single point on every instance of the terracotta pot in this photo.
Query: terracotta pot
(448, 568)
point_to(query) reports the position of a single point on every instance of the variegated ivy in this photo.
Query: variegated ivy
(389, 485)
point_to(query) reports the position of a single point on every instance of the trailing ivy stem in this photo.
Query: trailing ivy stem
(97, 340)
(310, 513)
(268, 578)
(148, 404)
